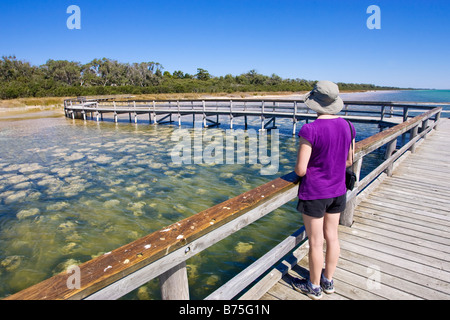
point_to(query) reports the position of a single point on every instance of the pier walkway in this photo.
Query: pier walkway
(395, 231)
(399, 244)
(211, 111)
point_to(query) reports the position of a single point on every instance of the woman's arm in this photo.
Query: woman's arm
(351, 155)
(304, 153)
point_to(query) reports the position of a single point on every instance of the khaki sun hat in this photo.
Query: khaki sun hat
(324, 98)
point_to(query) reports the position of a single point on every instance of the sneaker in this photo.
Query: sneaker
(327, 285)
(304, 286)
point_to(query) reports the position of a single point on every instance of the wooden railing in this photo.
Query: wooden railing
(164, 253)
(161, 111)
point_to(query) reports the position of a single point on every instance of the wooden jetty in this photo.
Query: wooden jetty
(394, 233)
(209, 110)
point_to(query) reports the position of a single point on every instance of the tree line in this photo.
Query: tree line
(60, 78)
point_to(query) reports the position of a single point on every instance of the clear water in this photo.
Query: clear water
(71, 190)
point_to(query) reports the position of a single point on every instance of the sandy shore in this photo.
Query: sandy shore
(55, 103)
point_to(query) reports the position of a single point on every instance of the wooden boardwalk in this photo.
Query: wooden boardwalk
(399, 244)
(397, 248)
(385, 114)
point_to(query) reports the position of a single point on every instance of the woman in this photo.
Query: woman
(324, 153)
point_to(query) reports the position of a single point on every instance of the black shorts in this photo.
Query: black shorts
(318, 208)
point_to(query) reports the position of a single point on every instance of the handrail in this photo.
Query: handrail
(164, 252)
(270, 109)
(221, 99)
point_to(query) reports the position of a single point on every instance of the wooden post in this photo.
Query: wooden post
(262, 117)
(405, 114)
(382, 112)
(346, 218)
(294, 119)
(412, 134)
(405, 118)
(179, 115)
(424, 127)
(231, 114)
(174, 283)
(204, 114)
(436, 120)
(390, 148)
(154, 113)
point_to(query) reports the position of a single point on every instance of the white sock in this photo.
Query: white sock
(315, 287)
(325, 278)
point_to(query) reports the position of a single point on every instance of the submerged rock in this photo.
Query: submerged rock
(30, 167)
(67, 226)
(243, 247)
(16, 196)
(111, 203)
(143, 293)
(11, 263)
(27, 213)
(58, 206)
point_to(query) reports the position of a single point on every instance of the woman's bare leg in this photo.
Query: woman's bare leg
(314, 229)
(330, 231)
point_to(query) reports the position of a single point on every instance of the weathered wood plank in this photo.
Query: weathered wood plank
(444, 237)
(418, 200)
(408, 258)
(412, 266)
(403, 205)
(400, 282)
(410, 281)
(421, 188)
(406, 214)
(399, 229)
(401, 243)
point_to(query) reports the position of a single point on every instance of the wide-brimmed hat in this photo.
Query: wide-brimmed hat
(324, 98)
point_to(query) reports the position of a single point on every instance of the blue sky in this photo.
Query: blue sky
(315, 39)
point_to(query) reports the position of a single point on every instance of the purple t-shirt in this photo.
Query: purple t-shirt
(325, 175)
